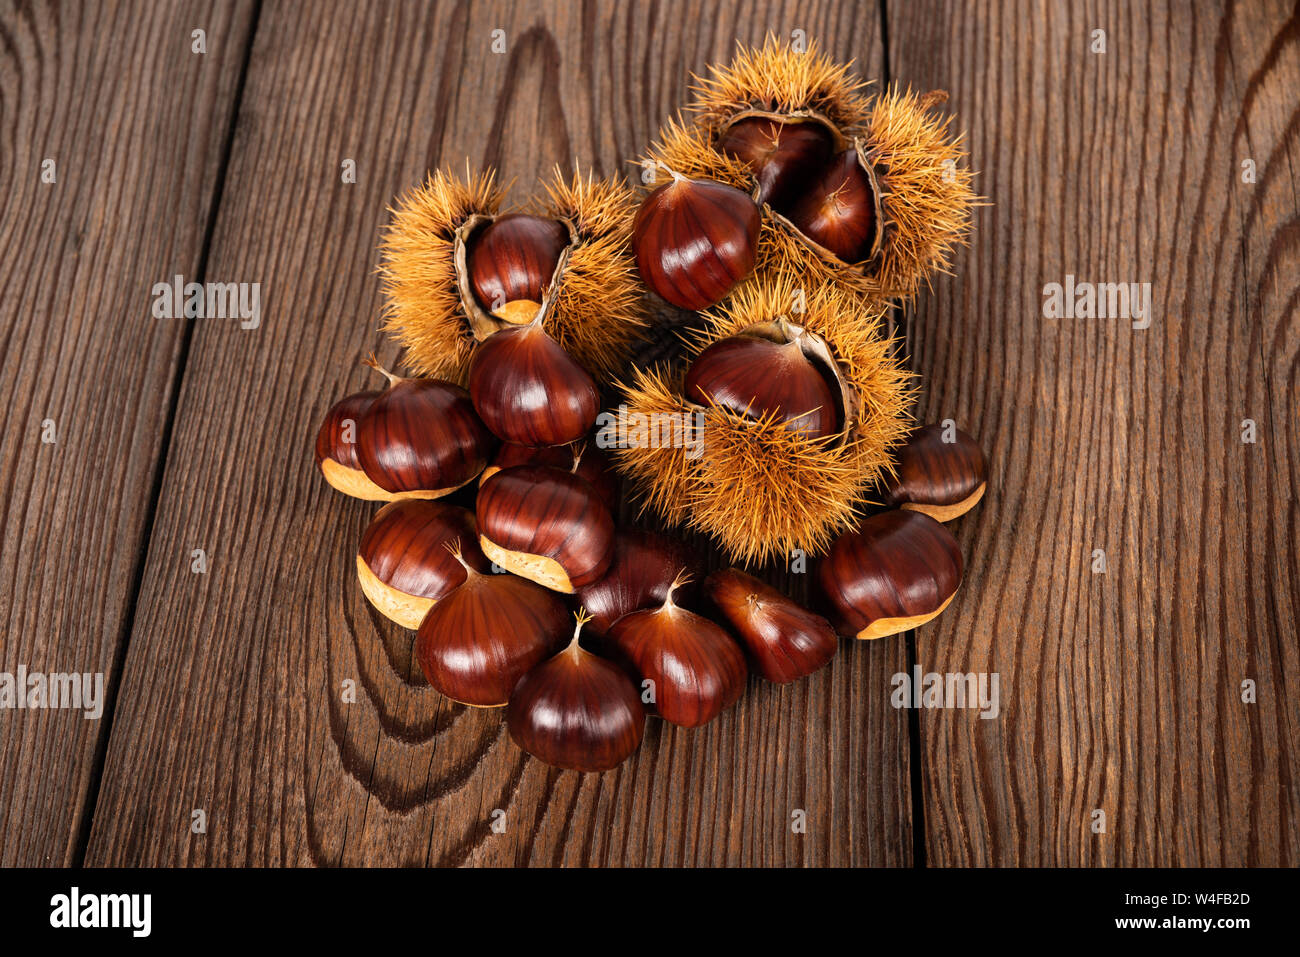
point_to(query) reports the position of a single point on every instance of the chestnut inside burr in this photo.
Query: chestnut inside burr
(511, 261)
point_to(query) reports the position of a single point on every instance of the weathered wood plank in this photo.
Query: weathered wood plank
(1122, 691)
(134, 124)
(231, 701)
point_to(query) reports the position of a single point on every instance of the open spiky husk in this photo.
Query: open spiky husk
(597, 311)
(759, 488)
(776, 78)
(916, 163)
(594, 310)
(422, 309)
(926, 193)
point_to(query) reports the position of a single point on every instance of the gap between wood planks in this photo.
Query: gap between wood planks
(160, 468)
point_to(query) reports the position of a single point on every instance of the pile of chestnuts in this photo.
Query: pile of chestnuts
(502, 541)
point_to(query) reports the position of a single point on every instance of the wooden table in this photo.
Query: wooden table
(1171, 158)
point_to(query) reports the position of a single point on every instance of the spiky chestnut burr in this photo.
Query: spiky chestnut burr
(590, 303)
(915, 208)
(759, 488)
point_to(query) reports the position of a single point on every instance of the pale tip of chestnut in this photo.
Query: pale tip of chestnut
(946, 513)
(353, 482)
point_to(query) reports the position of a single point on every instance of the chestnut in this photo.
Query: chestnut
(838, 212)
(479, 639)
(896, 572)
(694, 668)
(757, 377)
(593, 465)
(784, 640)
(784, 155)
(512, 261)
(640, 575)
(941, 472)
(545, 524)
(694, 239)
(421, 438)
(577, 711)
(336, 449)
(403, 562)
(529, 391)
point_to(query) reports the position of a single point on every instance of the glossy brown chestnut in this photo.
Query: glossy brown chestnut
(545, 524)
(511, 262)
(530, 391)
(784, 640)
(694, 240)
(403, 563)
(421, 438)
(896, 572)
(784, 155)
(336, 449)
(839, 211)
(695, 668)
(593, 465)
(640, 575)
(756, 377)
(941, 472)
(480, 638)
(577, 711)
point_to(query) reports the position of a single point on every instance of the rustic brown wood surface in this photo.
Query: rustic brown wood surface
(134, 125)
(1120, 691)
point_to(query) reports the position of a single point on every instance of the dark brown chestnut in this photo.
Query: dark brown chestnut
(941, 472)
(784, 640)
(896, 572)
(336, 449)
(691, 668)
(785, 155)
(421, 438)
(839, 211)
(545, 524)
(530, 391)
(480, 638)
(694, 240)
(403, 563)
(757, 377)
(640, 575)
(512, 261)
(593, 465)
(577, 711)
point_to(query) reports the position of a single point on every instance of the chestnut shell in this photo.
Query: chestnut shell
(405, 546)
(422, 435)
(755, 377)
(484, 635)
(697, 669)
(513, 258)
(330, 442)
(694, 240)
(784, 155)
(577, 711)
(839, 211)
(545, 511)
(898, 570)
(593, 466)
(640, 575)
(530, 391)
(784, 641)
(941, 479)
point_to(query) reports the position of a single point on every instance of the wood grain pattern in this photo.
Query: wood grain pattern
(134, 123)
(231, 700)
(1121, 690)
